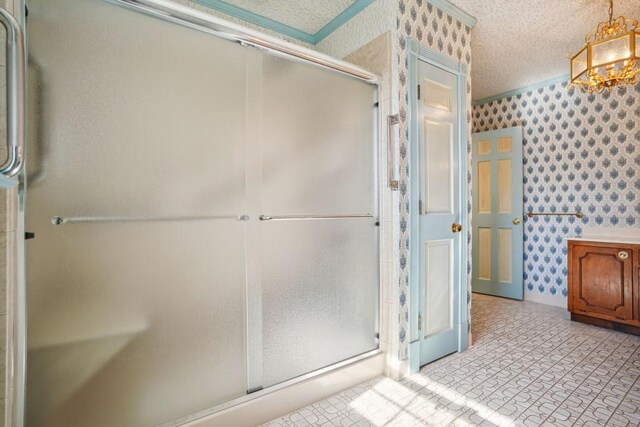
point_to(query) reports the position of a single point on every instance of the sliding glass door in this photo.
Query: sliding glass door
(319, 234)
(205, 217)
(136, 278)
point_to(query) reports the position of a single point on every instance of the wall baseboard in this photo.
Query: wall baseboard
(555, 300)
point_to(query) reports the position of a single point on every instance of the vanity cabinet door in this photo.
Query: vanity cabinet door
(602, 281)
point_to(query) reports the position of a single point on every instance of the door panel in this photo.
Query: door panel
(319, 294)
(438, 287)
(485, 249)
(438, 95)
(505, 192)
(484, 187)
(505, 255)
(319, 276)
(438, 166)
(603, 281)
(136, 304)
(497, 213)
(438, 150)
(317, 141)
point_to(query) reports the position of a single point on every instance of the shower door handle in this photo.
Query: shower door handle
(15, 94)
(392, 175)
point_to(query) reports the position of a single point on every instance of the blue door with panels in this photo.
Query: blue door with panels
(497, 213)
(439, 212)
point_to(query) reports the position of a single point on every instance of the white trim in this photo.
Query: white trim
(399, 369)
(540, 298)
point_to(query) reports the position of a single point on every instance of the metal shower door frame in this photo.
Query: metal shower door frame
(184, 16)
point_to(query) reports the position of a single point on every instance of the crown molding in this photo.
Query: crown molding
(341, 19)
(453, 10)
(525, 89)
(287, 30)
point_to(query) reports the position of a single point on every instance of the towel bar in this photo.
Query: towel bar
(576, 214)
(59, 220)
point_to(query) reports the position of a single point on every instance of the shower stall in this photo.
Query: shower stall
(204, 202)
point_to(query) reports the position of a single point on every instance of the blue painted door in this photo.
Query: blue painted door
(497, 213)
(439, 213)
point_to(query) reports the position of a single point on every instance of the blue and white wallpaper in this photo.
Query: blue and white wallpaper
(581, 153)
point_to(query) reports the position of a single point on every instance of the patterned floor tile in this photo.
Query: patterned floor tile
(529, 366)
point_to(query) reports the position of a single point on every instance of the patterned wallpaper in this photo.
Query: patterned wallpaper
(434, 29)
(581, 152)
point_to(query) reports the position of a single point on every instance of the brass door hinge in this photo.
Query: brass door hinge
(418, 91)
(419, 207)
(419, 321)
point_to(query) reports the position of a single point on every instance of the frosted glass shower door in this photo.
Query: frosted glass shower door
(319, 237)
(136, 278)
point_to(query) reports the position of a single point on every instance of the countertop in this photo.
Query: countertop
(628, 236)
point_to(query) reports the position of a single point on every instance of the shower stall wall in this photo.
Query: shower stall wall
(205, 214)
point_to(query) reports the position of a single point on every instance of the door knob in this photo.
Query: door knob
(456, 228)
(516, 221)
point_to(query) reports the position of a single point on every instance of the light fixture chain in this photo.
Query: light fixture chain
(610, 12)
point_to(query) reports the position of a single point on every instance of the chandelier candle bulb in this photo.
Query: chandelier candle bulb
(609, 57)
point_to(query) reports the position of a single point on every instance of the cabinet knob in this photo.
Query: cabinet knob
(623, 255)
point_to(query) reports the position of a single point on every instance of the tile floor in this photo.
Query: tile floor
(529, 366)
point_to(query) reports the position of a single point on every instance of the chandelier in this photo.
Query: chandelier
(609, 57)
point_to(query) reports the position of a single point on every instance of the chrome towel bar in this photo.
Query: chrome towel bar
(576, 214)
(310, 217)
(60, 220)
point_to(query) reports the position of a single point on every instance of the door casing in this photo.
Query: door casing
(415, 53)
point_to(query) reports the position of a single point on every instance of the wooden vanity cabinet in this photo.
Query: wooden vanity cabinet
(603, 284)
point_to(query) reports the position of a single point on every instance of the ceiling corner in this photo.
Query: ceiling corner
(453, 10)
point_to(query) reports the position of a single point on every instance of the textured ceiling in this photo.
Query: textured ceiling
(516, 43)
(306, 15)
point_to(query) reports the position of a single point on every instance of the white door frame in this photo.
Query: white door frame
(415, 53)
